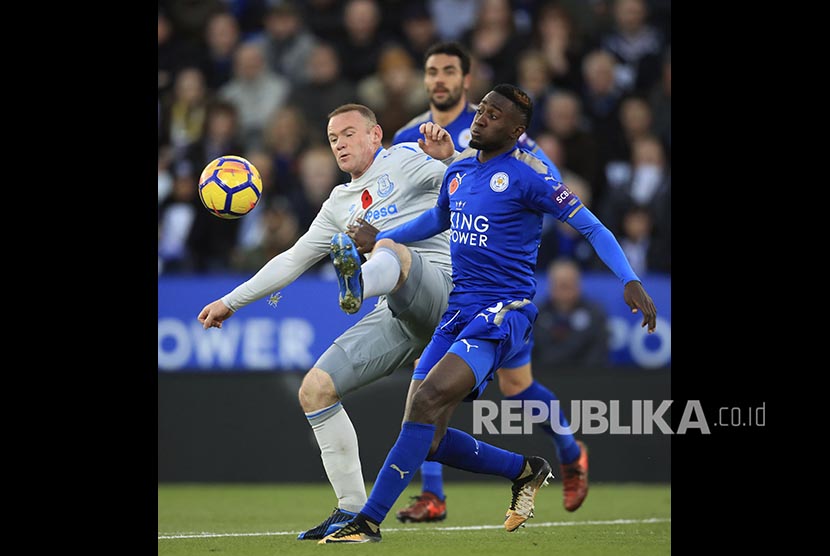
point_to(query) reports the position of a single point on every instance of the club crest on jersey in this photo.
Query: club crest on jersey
(385, 186)
(499, 182)
(456, 181)
(464, 138)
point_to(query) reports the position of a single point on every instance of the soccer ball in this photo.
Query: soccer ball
(230, 187)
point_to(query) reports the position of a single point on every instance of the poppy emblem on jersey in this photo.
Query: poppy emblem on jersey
(456, 181)
(366, 198)
(385, 186)
(499, 182)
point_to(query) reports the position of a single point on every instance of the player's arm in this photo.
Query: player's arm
(609, 250)
(276, 274)
(554, 197)
(427, 224)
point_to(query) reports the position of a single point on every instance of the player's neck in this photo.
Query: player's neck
(484, 156)
(446, 117)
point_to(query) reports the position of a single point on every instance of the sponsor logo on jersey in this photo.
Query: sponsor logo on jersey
(464, 138)
(366, 198)
(468, 229)
(380, 212)
(352, 208)
(499, 182)
(456, 181)
(385, 186)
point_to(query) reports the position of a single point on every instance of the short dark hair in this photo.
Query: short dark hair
(365, 111)
(518, 97)
(451, 48)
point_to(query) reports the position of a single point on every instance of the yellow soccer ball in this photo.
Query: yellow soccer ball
(230, 187)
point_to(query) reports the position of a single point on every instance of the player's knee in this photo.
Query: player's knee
(317, 391)
(404, 257)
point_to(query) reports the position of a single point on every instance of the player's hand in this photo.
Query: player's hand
(437, 143)
(214, 314)
(363, 234)
(636, 297)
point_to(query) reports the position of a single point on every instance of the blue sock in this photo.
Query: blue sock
(432, 478)
(567, 449)
(460, 450)
(403, 460)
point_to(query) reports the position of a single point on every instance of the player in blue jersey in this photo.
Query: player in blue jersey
(447, 79)
(492, 200)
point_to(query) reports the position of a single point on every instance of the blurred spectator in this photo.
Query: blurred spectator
(256, 92)
(280, 230)
(221, 39)
(494, 42)
(601, 102)
(318, 176)
(481, 81)
(395, 93)
(419, 31)
(176, 215)
(636, 238)
(363, 41)
(287, 43)
(165, 172)
(650, 173)
(174, 54)
(591, 18)
(324, 18)
(570, 331)
(184, 117)
(211, 240)
(660, 101)
(250, 15)
(534, 79)
(636, 123)
(324, 91)
(453, 18)
(220, 137)
(637, 46)
(560, 45)
(553, 148)
(285, 137)
(563, 118)
(190, 17)
(252, 227)
(649, 186)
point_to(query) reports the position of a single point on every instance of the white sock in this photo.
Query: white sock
(380, 273)
(338, 448)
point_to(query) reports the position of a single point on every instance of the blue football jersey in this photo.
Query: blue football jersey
(496, 211)
(459, 130)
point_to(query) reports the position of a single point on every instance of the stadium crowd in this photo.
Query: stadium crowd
(257, 78)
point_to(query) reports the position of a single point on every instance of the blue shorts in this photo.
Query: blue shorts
(486, 338)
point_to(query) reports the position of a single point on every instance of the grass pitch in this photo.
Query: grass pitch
(255, 520)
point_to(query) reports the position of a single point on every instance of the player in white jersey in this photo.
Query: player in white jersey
(388, 188)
